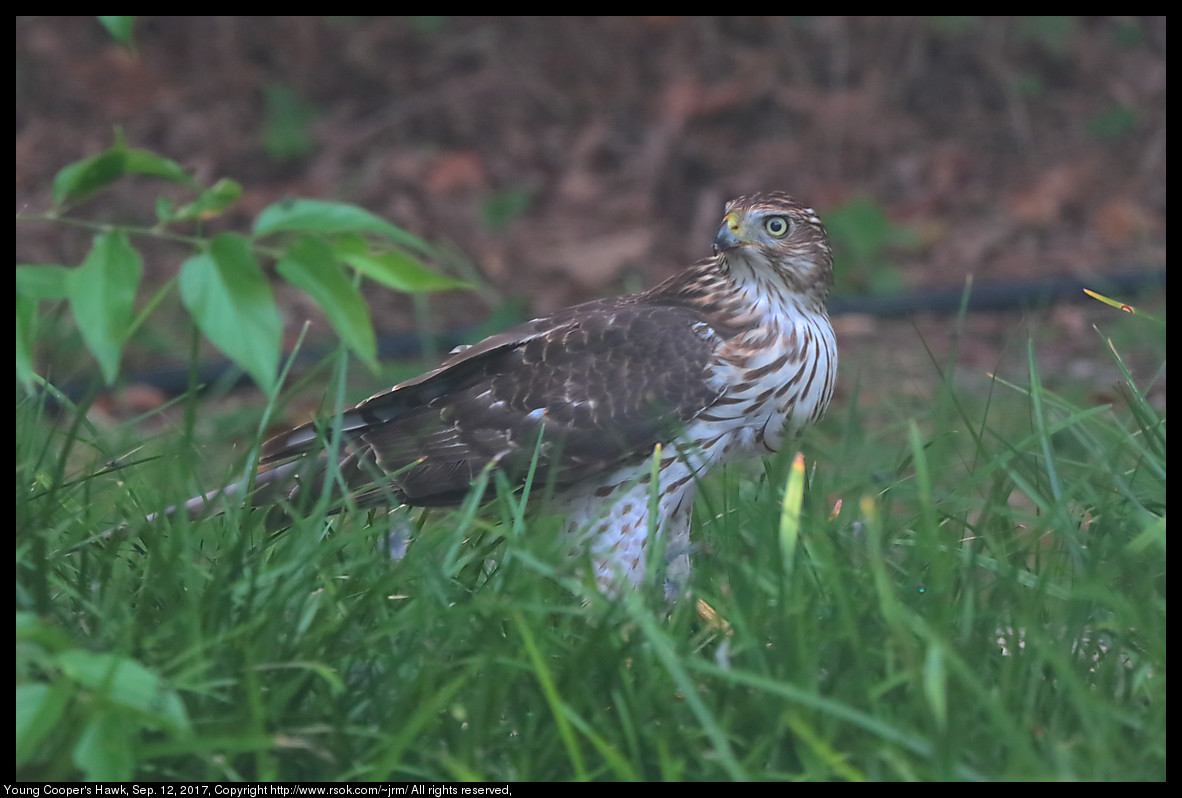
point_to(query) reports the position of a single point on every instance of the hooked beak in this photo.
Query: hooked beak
(727, 236)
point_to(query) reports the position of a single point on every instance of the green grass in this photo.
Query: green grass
(986, 602)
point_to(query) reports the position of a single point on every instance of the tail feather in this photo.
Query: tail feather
(270, 487)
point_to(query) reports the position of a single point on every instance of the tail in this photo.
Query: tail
(353, 476)
(270, 487)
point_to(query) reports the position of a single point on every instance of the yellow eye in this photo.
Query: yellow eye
(776, 226)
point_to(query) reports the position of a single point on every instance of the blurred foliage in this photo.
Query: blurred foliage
(862, 239)
(500, 208)
(286, 120)
(322, 248)
(120, 28)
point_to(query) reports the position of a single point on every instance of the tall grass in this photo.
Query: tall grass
(977, 592)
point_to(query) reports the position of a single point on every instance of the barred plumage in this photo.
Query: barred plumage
(729, 358)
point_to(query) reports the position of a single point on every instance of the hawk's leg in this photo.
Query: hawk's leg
(614, 520)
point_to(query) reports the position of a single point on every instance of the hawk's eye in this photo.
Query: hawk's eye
(777, 226)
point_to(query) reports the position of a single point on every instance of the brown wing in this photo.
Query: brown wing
(586, 388)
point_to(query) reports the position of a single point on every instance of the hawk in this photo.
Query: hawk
(730, 358)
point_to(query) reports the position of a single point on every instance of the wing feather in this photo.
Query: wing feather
(596, 384)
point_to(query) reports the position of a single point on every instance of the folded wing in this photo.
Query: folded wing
(585, 389)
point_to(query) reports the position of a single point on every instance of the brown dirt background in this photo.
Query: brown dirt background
(1010, 147)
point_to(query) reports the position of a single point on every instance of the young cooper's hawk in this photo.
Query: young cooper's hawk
(730, 358)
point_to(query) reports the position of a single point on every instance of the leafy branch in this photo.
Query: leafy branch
(322, 248)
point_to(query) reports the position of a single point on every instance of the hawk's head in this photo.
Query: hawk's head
(777, 242)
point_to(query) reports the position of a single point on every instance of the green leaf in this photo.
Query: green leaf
(210, 202)
(128, 685)
(82, 178)
(286, 119)
(30, 628)
(861, 235)
(1113, 123)
(225, 291)
(104, 751)
(34, 282)
(146, 162)
(331, 218)
(39, 707)
(393, 268)
(102, 296)
(310, 265)
(26, 331)
(501, 208)
(119, 28)
(42, 280)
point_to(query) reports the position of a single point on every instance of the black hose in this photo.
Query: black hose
(174, 380)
